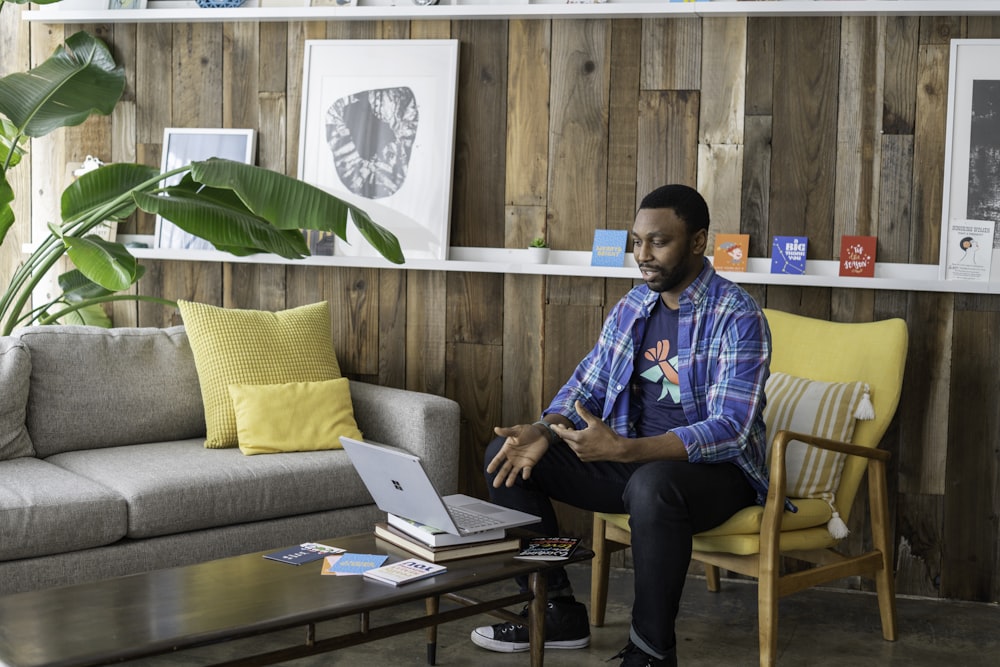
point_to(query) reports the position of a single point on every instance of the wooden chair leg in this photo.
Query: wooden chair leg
(767, 618)
(712, 577)
(599, 572)
(885, 586)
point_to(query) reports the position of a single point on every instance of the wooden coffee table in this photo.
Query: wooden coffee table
(233, 598)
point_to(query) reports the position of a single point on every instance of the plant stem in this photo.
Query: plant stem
(105, 299)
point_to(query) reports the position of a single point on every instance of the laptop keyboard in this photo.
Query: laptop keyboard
(471, 521)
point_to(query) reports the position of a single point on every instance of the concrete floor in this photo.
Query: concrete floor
(817, 628)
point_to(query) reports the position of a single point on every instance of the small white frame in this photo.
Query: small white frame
(184, 145)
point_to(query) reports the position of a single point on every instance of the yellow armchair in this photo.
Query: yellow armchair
(754, 539)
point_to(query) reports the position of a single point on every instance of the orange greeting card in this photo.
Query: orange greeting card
(857, 256)
(731, 252)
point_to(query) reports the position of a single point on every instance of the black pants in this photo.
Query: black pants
(668, 502)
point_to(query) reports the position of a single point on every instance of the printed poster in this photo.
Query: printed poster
(970, 250)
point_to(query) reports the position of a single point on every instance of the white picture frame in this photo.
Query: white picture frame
(972, 144)
(399, 97)
(184, 145)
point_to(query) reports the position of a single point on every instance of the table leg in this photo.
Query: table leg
(433, 604)
(536, 618)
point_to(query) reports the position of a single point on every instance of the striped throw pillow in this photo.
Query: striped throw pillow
(824, 409)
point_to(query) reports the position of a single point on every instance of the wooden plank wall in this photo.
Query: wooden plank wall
(817, 126)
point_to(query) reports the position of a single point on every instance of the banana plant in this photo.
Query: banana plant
(239, 208)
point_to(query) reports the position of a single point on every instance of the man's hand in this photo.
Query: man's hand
(596, 442)
(524, 447)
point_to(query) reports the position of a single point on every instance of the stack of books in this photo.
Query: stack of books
(438, 546)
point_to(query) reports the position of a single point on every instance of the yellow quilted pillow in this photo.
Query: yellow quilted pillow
(824, 409)
(294, 417)
(233, 346)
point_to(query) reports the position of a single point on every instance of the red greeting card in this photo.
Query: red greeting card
(857, 256)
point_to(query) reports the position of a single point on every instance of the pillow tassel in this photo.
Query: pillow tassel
(865, 411)
(838, 529)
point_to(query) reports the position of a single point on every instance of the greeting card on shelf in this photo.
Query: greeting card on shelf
(731, 252)
(788, 254)
(857, 256)
(609, 247)
(970, 250)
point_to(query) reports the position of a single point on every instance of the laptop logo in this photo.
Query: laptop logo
(397, 485)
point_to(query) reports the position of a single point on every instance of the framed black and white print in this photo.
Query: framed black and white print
(378, 130)
(183, 146)
(971, 193)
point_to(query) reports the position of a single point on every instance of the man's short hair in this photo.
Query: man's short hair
(685, 201)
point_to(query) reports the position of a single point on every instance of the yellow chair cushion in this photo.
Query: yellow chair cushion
(293, 417)
(252, 347)
(824, 409)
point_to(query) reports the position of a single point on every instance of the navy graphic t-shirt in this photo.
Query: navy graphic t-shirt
(656, 392)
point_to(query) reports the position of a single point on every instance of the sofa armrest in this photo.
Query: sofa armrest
(423, 424)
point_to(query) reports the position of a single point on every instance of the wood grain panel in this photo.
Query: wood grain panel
(723, 80)
(924, 415)
(578, 149)
(760, 66)
(153, 82)
(353, 294)
(272, 63)
(430, 29)
(426, 331)
(240, 74)
(623, 134)
(720, 174)
(254, 286)
(391, 328)
(756, 183)
(523, 340)
(474, 308)
(480, 136)
(477, 390)
(940, 29)
(971, 533)
(570, 333)
(899, 101)
(527, 119)
(196, 71)
(803, 158)
(271, 147)
(858, 127)
(298, 34)
(982, 27)
(522, 224)
(895, 198)
(191, 281)
(671, 54)
(928, 164)
(668, 140)
(919, 547)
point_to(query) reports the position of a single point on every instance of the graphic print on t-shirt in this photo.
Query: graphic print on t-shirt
(663, 370)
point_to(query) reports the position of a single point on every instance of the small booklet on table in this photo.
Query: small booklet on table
(548, 548)
(304, 553)
(405, 571)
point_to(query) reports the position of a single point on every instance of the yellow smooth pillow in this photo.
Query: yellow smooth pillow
(824, 409)
(233, 346)
(293, 417)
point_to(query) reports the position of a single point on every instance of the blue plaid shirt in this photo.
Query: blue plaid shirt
(724, 353)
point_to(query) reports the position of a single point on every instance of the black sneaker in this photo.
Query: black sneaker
(566, 626)
(633, 656)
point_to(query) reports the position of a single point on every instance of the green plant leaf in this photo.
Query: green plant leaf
(9, 150)
(6, 212)
(79, 79)
(77, 287)
(96, 188)
(289, 203)
(92, 315)
(219, 217)
(109, 265)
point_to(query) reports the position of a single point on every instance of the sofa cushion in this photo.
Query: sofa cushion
(294, 417)
(94, 387)
(45, 509)
(179, 486)
(15, 373)
(233, 346)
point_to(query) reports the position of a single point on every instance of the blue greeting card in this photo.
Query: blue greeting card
(356, 563)
(788, 254)
(609, 247)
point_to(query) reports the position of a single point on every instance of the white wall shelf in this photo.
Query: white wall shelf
(820, 273)
(368, 10)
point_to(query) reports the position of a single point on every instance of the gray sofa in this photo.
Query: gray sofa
(103, 471)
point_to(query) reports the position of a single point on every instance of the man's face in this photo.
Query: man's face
(669, 258)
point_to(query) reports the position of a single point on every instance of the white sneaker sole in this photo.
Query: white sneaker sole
(482, 637)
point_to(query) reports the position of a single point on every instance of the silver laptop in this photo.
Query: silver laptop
(400, 485)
